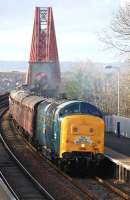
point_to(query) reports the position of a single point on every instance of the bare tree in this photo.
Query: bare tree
(118, 34)
(84, 82)
(88, 81)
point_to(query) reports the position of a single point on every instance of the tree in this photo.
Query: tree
(78, 85)
(90, 82)
(84, 81)
(118, 34)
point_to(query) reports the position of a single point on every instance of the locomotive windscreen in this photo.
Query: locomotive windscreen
(82, 108)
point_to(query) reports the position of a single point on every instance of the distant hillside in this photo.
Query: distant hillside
(7, 66)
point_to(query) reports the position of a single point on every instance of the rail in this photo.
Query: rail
(26, 171)
(3, 108)
(9, 187)
(87, 192)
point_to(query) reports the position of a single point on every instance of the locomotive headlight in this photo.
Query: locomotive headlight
(82, 145)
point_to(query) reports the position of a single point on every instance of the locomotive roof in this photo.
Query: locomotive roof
(30, 101)
(90, 109)
(69, 102)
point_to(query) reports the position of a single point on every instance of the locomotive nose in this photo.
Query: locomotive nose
(81, 133)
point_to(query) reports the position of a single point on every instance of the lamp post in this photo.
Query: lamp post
(118, 86)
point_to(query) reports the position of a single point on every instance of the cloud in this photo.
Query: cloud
(75, 22)
(80, 45)
(15, 45)
(79, 38)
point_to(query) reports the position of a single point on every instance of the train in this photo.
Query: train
(65, 131)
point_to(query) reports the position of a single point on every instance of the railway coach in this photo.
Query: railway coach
(66, 131)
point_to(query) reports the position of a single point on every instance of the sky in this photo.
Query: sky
(77, 25)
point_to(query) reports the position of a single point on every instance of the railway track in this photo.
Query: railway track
(104, 189)
(4, 102)
(52, 179)
(56, 185)
(98, 188)
(7, 187)
(20, 183)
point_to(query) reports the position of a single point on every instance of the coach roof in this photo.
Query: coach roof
(31, 101)
(18, 95)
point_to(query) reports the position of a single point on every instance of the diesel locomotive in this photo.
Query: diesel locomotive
(66, 131)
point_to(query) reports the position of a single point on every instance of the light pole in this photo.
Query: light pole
(118, 86)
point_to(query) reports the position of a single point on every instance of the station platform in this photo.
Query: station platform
(119, 144)
(118, 158)
(5, 194)
(117, 150)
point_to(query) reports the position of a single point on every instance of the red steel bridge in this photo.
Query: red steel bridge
(44, 70)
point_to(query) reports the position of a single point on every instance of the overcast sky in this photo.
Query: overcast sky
(76, 22)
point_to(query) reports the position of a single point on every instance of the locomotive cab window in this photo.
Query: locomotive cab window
(87, 108)
(80, 108)
(68, 110)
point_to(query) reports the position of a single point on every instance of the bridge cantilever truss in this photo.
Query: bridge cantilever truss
(44, 53)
